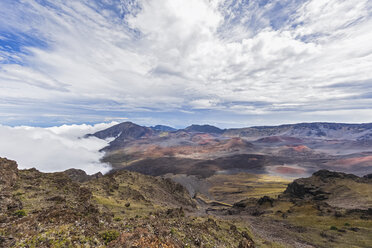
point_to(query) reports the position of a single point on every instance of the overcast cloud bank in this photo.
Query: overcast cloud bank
(63, 61)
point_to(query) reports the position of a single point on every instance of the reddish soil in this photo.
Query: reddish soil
(289, 170)
(350, 162)
(300, 148)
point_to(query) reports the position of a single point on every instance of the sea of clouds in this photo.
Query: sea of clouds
(54, 149)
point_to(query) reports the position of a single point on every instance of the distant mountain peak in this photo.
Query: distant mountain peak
(163, 128)
(204, 129)
(114, 131)
(122, 133)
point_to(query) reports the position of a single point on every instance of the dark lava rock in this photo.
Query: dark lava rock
(302, 188)
(313, 187)
(363, 213)
(326, 174)
(369, 176)
(354, 229)
(252, 206)
(245, 203)
(266, 200)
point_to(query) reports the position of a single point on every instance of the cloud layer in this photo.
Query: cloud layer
(55, 148)
(251, 62)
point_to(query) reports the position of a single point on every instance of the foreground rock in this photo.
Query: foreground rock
(122, 209)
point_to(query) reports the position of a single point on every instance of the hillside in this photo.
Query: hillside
(328, 209)
(56, 210)
(128, 209)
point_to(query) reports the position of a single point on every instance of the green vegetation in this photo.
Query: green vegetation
(321, 230)
(117, 219)
(20, 213)
(109, 236)
(333, 228)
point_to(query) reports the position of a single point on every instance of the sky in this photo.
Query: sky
(230, 63)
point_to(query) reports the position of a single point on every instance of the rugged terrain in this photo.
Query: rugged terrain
(122, 209)
(128, 209)
(328, 209)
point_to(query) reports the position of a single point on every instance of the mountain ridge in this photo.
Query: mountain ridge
(288, 150)
(330, 130)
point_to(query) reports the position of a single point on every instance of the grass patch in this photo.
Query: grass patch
(233, 188)
(321, 229)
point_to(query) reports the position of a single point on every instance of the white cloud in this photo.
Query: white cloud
(330, 17)
(55, 148)
(176, 55)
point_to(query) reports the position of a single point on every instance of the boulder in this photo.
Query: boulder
(8, 173)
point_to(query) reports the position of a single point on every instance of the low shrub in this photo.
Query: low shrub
(20, 213)
(109, 236)
(117, 219)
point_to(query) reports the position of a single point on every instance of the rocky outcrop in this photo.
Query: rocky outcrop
(326, 174)
(318, 186)
(8, 173)
(8, 180)
(80, 175)
(136, 187)
(302, 190)
(253, 206)
(339, 190)
(266, 201)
